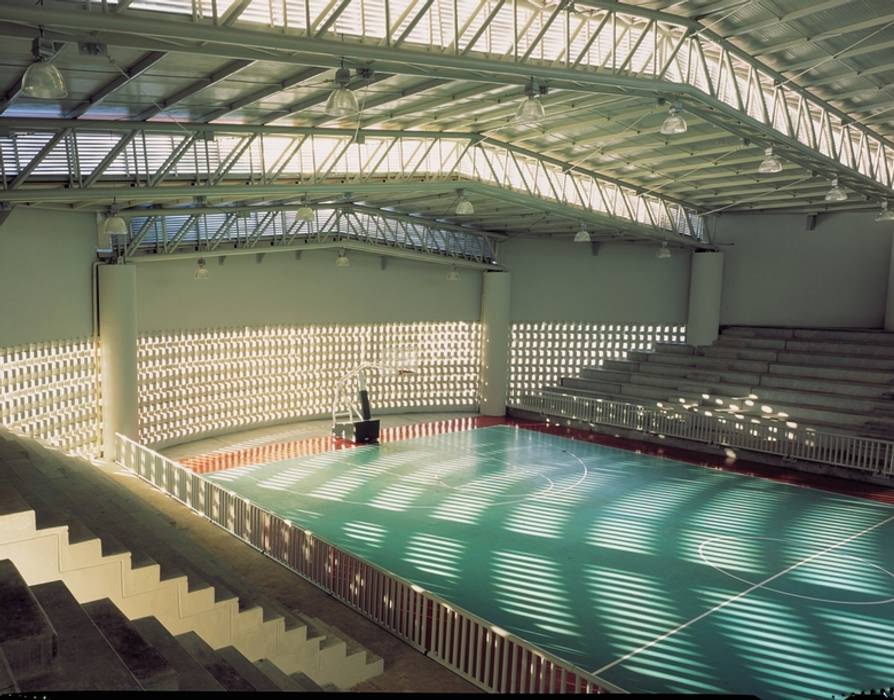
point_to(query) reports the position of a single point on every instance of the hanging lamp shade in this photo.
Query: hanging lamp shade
(582, 236)
(463, 206)
(530, 111)
(201, 271)
(836, 193)
(342, 102)
(885, 214)
(115, 225)
(43, 81)
(674, 123)
(770, 164)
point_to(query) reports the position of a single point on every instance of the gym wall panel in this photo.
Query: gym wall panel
(46, 276)
(284, 290)
(563, 281)
(779, 273)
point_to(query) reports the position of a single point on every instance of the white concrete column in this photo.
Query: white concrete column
(889, 303)
(705, 288)
(118, 340)
(494, 342)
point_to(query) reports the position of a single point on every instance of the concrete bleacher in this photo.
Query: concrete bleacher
(58, 644)
(833, 380)
(90, 554)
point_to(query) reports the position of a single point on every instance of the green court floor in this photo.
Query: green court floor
(654, 574)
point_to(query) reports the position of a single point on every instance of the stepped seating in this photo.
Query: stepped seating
(51, 508)
(836, 381)
(95, 647)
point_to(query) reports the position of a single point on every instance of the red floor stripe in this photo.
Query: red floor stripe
(280, 451)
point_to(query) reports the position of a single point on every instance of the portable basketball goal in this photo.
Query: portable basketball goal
(351, 413)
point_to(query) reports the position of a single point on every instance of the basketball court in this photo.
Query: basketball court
(656, 575)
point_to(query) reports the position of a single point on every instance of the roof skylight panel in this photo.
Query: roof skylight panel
(272, 13)
(183, 7)
(94, 146)
(19, 149)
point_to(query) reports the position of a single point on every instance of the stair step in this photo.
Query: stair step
(757, 332)
(742, 353)
(605, 375)
(16, 514)
(628, 365)
(85, 660)
(863, 376)
(228, 677)
(27, 638)
(590, 384)
(307, 684)
(754, 342)
(248, 670)
(832, 347)
(147, 665)
(829, 360)
(839, 388)
(191, 676)
(8, 683)
(677, 348)
(866, 336)
(282, 680)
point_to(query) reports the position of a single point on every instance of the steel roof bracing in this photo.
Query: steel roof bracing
(224, 99)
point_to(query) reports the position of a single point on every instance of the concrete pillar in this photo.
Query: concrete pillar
(118, 340)
(494, 342)
(705, 288)
(889, 303)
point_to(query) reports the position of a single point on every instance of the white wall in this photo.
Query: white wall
(562, 281)
(309, 290)
(777, 273)
(45, 276)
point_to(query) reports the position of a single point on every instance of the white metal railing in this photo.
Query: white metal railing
(850, 451)
(470, 646)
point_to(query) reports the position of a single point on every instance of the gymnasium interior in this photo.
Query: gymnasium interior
(447, 346)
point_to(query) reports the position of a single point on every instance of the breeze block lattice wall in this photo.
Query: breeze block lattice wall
(199, 382)
(541, 353)
(51, 391)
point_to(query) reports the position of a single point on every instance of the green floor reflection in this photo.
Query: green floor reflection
(659, 575)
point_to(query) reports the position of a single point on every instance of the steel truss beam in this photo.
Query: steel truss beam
(225, 160)
(637, 51)
(222, 232)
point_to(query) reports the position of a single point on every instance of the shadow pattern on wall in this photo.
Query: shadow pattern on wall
(201, 382)
(541, 353)
(51, 391)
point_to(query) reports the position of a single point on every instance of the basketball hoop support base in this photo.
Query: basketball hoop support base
(360, 432)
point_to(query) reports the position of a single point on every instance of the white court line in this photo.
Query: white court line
(735, 598)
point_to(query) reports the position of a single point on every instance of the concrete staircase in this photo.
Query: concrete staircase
(831, 380)
(58, 644)
(51, 506)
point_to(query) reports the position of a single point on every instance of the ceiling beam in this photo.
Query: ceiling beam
(338, 243)
(251, 44)
(193, 88)
(800, 13)
(292, 81)
(130, 73)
